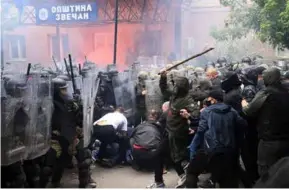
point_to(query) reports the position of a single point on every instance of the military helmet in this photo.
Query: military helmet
(222, 60)
(15, 86)
(247, 60)
(153, 76)
(64, 77)
(59, 83)
(142, 75)
(190, 67)
(199, 70)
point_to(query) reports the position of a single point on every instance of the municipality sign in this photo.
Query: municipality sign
(65, 14)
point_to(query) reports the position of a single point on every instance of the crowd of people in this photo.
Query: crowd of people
(233, 124)
(228, 120)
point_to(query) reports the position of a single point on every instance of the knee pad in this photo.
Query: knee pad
(83, 154)
(85, 164)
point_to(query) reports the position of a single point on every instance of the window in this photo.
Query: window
(17, 46)
(59, 52)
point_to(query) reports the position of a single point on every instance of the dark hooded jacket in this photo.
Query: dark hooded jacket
(202, 91)
(220, 129)
(270, 107)
(231, 85)
(180, 99)
(177, 126)
(146, 135)
(250, 80)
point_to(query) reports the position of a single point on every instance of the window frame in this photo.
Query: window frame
(20, 57)
(62, 51)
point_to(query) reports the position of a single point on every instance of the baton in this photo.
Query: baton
(188, 59)
(66, 66)
(55, 64)
(72, 74)
(79, 69)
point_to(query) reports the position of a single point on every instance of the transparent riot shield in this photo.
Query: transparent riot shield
(69, 88)
(88, 94)
(40, 131)
(135, 69)
(153, 95)
(78, 82)
(15, 119)
(124, 92)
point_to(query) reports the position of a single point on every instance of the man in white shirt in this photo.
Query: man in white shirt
(111, 128)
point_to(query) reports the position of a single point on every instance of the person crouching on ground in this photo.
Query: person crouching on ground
(145, 140)
(111, 128)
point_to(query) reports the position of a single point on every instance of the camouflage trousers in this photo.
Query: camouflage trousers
(57, 159)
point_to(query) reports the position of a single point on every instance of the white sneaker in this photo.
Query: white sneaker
(181, 181)
(156, 185)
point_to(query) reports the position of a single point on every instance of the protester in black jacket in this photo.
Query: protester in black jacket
(202, 90)
(270, 108)
(250, 81)
(231, 85)
(178, 127)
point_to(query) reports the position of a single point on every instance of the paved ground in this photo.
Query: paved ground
(119, 177)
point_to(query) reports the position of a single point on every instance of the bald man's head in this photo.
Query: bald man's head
(165, 106)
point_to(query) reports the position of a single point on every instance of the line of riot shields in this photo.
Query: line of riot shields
(27, 108)
(26, 111)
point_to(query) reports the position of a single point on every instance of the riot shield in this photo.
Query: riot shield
(40, 131)
(135, 68)
(78, 82)
(88, 95)
(153, 96)
(124, 92)
(15, 119)
(70, 88)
